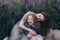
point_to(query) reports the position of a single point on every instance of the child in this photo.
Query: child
(32, 23)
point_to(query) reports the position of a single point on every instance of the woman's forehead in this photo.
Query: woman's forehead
(39, 14)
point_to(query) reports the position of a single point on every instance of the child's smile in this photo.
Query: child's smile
(30, 20)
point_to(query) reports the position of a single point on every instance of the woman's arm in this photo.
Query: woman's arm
(21, 24)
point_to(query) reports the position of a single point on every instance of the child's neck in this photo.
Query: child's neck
(30, 24)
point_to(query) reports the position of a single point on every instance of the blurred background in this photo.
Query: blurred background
(11, 11)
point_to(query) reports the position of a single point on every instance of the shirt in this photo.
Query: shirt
(37, 30)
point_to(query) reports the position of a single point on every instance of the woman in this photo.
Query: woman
(32, 23)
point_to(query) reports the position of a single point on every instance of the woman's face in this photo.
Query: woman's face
(40, 17)
(30, 20)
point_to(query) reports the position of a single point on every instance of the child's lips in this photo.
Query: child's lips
(30, 22)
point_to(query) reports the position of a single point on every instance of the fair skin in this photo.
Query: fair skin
(40, 17)
(21, 24)
(30, 20)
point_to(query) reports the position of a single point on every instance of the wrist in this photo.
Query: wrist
(28, 29)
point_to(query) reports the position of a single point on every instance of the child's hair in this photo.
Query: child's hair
(36, 23)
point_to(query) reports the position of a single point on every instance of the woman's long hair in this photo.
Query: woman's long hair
(45, 25)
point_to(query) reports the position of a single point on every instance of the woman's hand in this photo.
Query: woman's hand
(33, 32)
(29, 35)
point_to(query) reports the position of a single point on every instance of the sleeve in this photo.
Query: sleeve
(16, 33)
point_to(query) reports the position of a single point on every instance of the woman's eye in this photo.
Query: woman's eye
(39, 15)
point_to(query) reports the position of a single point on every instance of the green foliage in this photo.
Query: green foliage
(10, 14)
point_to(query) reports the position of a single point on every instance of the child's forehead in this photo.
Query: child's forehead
(30, 16)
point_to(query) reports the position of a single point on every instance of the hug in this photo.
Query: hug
(32, 26)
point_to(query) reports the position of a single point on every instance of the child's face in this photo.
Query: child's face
(30, 20)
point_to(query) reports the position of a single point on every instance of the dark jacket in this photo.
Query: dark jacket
(37, 30)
